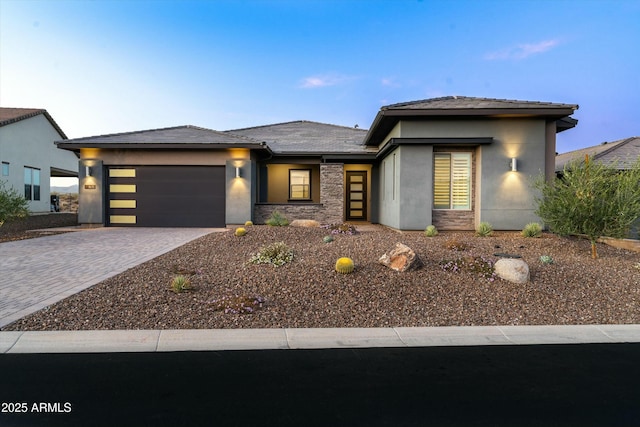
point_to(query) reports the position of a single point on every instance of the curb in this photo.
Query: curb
(105, 341)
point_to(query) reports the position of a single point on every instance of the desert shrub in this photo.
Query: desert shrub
(12, 204)
(248, 223)
(277, 220)
(475, 265)
(484, 229)
(237, 304)
(341, 228)
(431, 231)
(546, 259)
(533, 229)
(327, 239)
(345, 265)
(276, 254)
(180, 283)
(455, 245)
(591, 199)
(240, 231)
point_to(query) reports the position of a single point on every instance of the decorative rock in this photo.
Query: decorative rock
(512, 270)
(401, 258)
(304, 223)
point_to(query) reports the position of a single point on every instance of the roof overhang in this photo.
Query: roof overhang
(76, 146)
(387, 119)
(459, 142)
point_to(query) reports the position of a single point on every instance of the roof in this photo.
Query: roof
(622, 153)
(464, 106)
(307, 137)
(173, 137)
(13, 115)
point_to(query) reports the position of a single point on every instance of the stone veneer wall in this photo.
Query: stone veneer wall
(329, 210)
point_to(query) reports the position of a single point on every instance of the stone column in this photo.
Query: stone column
(332, 192)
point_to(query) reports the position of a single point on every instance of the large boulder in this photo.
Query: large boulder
(401, 258)
(512, 269)
(304, 223)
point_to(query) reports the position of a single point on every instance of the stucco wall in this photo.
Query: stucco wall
(505, 198)
(30, 142)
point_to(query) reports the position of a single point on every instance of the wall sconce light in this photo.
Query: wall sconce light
(87, 170)
(237, 172)
(513, 164)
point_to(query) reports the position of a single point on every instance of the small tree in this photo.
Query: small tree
(591, 199)
(12, 204)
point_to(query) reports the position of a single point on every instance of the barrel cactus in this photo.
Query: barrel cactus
(248, 224)
(240, 231)
(344, 265)
(327, 239)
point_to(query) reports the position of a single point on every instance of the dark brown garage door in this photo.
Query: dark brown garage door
(166, 196)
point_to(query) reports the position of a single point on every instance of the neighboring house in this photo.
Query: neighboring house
(29, 156)
(451, 162)
(622, 154)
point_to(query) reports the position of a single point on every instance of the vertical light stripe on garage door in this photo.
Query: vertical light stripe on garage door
(167, 196)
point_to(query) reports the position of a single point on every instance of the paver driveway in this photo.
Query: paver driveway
(35, 273)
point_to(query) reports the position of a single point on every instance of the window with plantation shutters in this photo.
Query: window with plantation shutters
(452, 181)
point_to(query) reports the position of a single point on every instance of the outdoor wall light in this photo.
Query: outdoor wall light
(87, 170)
(513, 164)
(237, 172)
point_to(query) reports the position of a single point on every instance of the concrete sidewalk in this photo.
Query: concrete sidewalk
(35, 273)
(275, 339)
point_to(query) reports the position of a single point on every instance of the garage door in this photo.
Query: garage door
(166, 196)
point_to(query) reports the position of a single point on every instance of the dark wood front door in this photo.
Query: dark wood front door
(357, 195)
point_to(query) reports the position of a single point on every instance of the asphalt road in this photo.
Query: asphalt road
(549, 385)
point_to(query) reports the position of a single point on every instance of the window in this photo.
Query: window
(452, 181)
(31, 183)
(5, 169)
(300, 184)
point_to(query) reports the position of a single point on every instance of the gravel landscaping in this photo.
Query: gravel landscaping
(31, 226)
(227, 291)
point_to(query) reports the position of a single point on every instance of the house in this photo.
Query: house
(451, 161)
(621, 154)
(29, 156)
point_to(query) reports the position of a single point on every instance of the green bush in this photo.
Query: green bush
(277, 220)
(12, 204)
(592, 199)
(484, 229)
(533, 229)
(180, 283)
(276, 254)
(546, 259)
(431, 231)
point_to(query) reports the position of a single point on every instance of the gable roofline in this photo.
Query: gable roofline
(294, 122)
(14, 115)
(464, 106)
(169, 137)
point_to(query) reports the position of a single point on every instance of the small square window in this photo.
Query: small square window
(5, 169)
(300, 184)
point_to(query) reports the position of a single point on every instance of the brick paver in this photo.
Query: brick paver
(35, 273)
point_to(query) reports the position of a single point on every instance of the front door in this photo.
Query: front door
(357, 195)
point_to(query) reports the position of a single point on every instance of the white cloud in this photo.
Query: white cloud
(522, 51)
(317, 81)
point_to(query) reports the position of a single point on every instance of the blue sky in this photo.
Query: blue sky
(115, 66)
